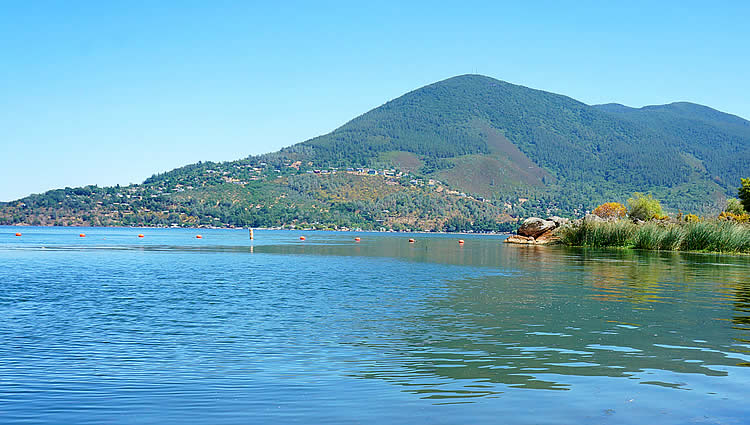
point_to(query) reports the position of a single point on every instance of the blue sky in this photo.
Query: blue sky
(111, 92)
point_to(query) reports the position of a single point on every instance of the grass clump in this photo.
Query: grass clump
(730, 237)
(647, 236)
(573, 234)
(615, 233)
(699, 236)
(672, 238)
(598, 234)
(658, 237)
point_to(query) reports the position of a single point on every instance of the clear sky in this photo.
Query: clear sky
(108, 92)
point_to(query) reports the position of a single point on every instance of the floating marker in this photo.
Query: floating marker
(357, 239)
(198, 237)
(460, 241)
(140, 235)
(411, 240)
(18, 234)
(251, 234)
(302, 238)
(82, 235)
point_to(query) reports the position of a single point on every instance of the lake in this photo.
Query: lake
(223, 330)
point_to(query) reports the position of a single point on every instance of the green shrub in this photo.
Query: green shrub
(734, 206)
(644, 207)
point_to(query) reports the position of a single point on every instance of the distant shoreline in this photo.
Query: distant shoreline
(261, 228)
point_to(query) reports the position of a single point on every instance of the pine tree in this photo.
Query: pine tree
(744, 193)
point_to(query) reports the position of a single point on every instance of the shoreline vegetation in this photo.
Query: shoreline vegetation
(643, 225)
(701, 236)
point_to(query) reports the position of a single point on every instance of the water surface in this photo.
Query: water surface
(170, 328)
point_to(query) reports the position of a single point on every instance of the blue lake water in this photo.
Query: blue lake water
(169, 328)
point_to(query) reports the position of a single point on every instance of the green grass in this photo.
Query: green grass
(609, 233)
(714, 236)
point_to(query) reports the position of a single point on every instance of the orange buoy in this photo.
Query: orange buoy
(140, 235)
(198, 237)
(460, 241)
(357, 239)
(411, 240)
(302, 238)
(82, 235)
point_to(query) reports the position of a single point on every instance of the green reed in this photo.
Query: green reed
(717, 236)
(609, 233)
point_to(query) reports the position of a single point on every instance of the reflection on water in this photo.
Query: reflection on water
(558, 311)
(741, 318)
(231, 331)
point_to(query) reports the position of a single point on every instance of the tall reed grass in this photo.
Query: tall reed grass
(717, 236)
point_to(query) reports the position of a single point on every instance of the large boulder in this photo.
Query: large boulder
(534, 227)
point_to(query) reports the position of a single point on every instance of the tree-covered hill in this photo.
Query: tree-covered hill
(582, 153)
(715, 142)
(469, 152)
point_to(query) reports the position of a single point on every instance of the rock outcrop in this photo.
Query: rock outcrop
(536, 231)
(534, 227)
(521, 240)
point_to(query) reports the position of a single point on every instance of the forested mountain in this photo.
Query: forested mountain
(718, 141)
(574, 152)
(469, 152)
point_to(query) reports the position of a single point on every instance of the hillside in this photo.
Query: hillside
(714, 142)
(256, 193)
(467, 153)
(495, 138)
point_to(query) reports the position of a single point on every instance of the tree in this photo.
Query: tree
(644, 207)
(734, 206)
(613, 210)
(744, 193)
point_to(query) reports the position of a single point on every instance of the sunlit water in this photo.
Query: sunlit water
(172, 329)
